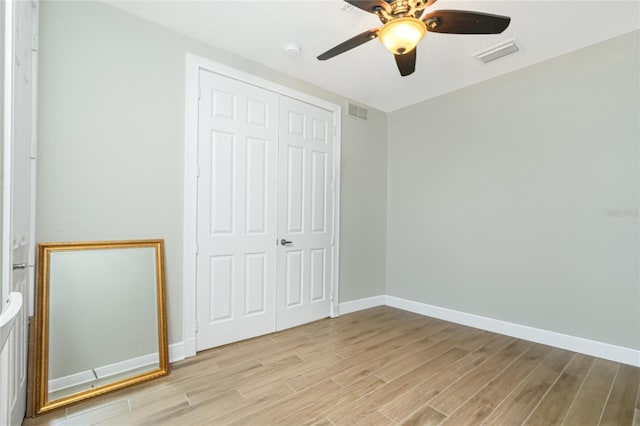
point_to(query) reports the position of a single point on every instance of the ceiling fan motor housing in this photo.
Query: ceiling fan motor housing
(400, 7)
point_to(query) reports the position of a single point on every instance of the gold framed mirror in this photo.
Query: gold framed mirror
(100, 319)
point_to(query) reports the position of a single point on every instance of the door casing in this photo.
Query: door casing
(190, 248)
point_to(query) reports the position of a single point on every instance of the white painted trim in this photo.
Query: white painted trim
(335, 307)
(193, 65)
(546, 337)
(7, 147)
(31, 274)
(189, 244)
(103, 372)
(127, 365)
(361, 304)
(71, 380)
(209, 65)
(176, 353)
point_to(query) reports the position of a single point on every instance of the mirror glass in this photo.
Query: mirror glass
(100, 319)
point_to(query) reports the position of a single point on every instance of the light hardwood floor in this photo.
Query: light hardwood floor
(381, 366)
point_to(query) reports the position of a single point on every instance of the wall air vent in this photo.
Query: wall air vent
(356, 111)
(497, 52)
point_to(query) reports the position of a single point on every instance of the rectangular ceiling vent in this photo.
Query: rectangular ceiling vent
(497, 52)
(356, 111)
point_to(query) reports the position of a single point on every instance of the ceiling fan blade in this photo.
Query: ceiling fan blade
(407, 62)
(349, 44)
(426, 5)
(465, 22)
(371, 6)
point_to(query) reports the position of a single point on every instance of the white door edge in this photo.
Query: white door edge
(34, 153)
(194, 64)
(7, 178)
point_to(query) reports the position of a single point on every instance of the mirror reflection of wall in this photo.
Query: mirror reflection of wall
(102, 316)
(100, 319)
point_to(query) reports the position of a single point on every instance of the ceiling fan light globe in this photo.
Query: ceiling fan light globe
(402, 35)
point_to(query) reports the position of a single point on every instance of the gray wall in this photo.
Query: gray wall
(363, 212)
(111, 143)
(517, 198)
(519, 202)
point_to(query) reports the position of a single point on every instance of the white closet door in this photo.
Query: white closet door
(237, 152)
(305, 213)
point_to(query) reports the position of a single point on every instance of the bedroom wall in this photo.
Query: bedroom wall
(518, 198)
(111, 143)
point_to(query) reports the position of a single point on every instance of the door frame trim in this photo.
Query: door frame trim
(7, 154)
(194, 64)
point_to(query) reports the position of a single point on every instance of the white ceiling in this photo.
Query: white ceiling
(259, 30)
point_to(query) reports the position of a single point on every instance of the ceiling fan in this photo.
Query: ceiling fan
(405, 23)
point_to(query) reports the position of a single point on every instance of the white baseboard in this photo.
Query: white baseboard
(75, 379)
(564, 341)
(127, 365)
(176, 353)
(189, 348)
(361, 304)
(103, 372)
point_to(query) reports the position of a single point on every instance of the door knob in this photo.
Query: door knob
(19, 266)
(285, 242)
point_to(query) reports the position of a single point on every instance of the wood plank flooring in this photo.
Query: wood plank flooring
(381, 366)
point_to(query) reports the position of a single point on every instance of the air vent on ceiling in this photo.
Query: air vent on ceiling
(356, 111)
(498, 51)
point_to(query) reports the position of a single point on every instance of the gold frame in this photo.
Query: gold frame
(41, 329)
